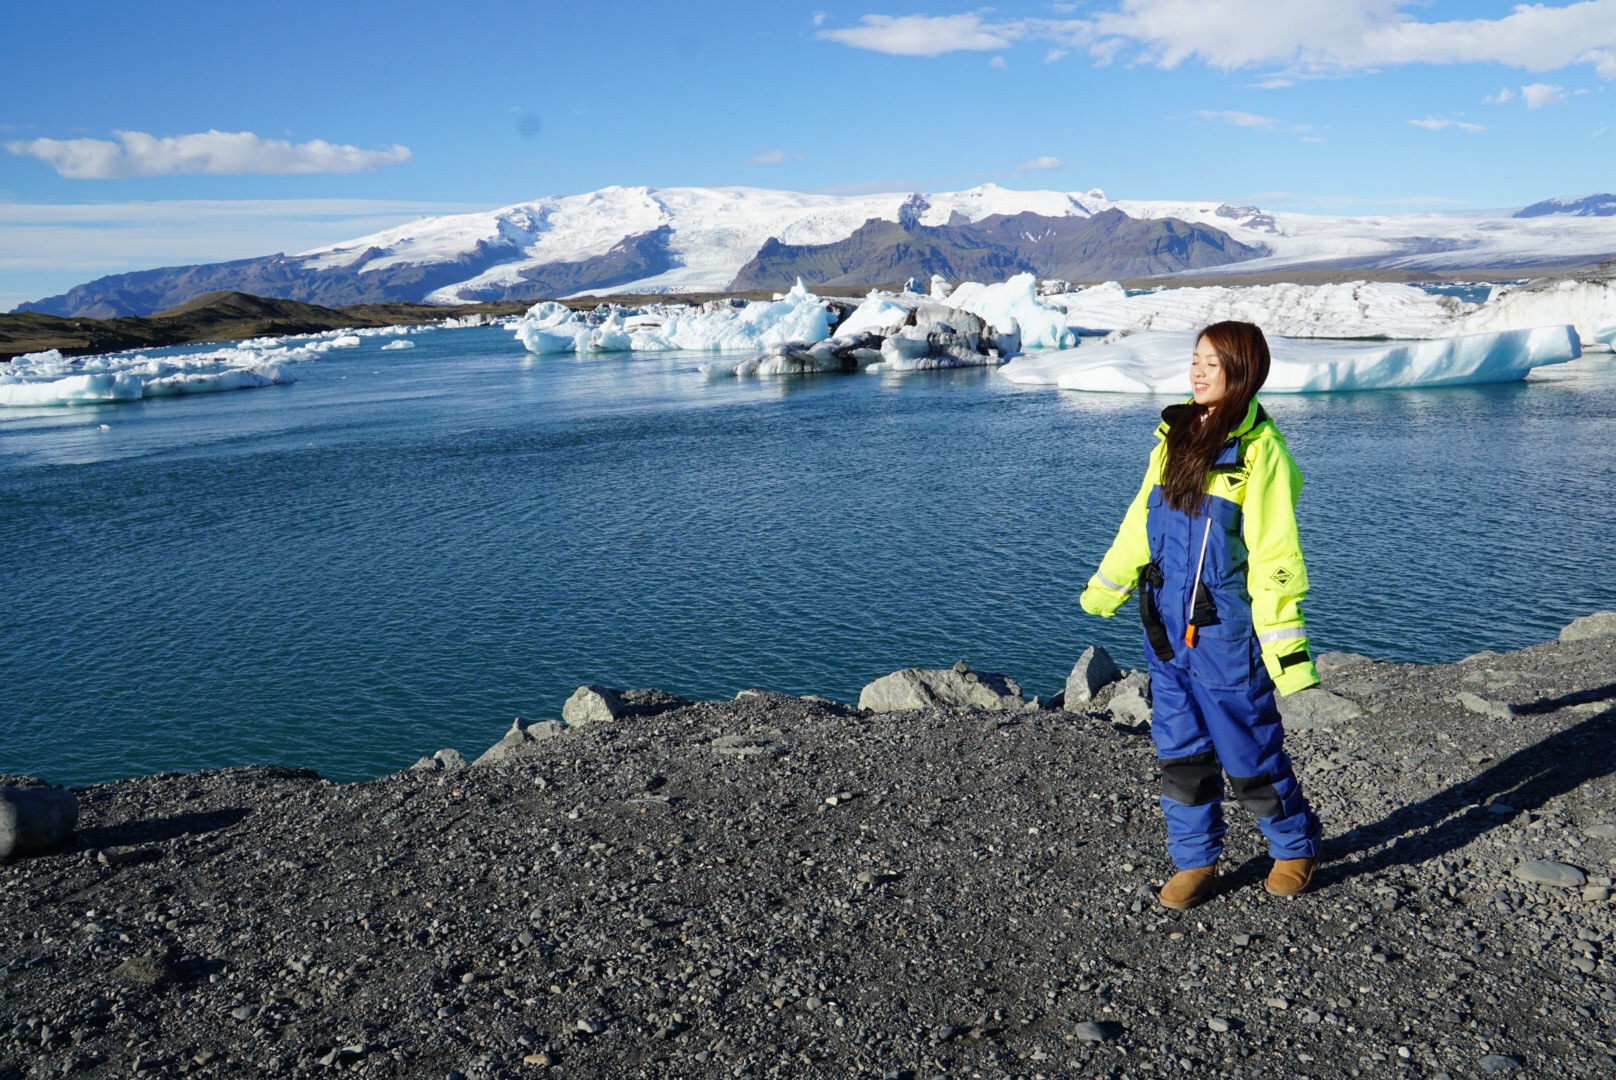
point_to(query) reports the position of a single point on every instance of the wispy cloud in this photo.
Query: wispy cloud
(1539, 95)
(1299, 38)
(215, 153)
(1236, 118)
(1504, 96)
(1046, 163)
(925, 35)
(767, 157)
(1439, 123)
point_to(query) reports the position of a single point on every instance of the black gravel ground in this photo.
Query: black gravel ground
(773, 887)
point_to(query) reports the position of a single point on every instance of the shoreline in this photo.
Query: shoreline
(785, 886)
(224, 317)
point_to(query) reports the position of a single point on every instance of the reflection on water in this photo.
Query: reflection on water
(403, 550)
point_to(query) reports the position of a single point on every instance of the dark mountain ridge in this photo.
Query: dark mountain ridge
(1109, 244)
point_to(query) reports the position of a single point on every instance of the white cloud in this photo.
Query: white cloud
(1503, 97)
(1053, 55)
(1298, 37)
(1537, 95)
(924, 35)
(1046, 163)
(214, 153)
(997, 62)
(1333, 36)
(1438, 123)
(1251, 120)
(767, 157)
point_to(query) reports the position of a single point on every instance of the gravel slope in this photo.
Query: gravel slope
(632, 899)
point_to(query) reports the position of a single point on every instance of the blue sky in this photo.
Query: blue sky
(363, 115)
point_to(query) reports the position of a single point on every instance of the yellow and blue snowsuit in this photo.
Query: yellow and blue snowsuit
(1213, 705)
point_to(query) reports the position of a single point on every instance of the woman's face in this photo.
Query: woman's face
(1206, 374)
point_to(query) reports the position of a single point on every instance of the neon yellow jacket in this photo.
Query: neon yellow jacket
(1266, 488)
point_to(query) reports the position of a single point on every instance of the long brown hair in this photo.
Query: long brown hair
(1197, 432)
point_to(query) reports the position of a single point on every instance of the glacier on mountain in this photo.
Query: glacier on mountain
(1157, 362)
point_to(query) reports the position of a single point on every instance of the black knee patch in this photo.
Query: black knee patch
(1257, 794)
(1195, 780)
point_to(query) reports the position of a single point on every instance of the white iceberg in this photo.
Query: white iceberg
(344, 341)
(880, 313)
(1588, 303)
(1157, 362)
(799, 315)
(1357, 309)
(49, 378)
(401, 343)
(1042, 326)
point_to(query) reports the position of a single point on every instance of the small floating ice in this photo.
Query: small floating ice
(1157, 362)
(401, 343)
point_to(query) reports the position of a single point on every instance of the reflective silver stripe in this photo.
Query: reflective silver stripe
(1109, 584)
(1287, 634)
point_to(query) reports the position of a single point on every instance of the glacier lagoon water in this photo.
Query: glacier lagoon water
(405, 549)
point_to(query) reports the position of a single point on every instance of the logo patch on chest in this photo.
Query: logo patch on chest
(1281, 576)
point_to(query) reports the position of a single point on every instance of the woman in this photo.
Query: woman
(1210, 542)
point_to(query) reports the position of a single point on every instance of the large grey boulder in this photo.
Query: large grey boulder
(35, 819)
(1093, 670)
(1315, 709)
(1600, 624)
(520, 741)
(1478, 704)
(1332, 663)
(1548, 872)
(925, 688)
(592, 704)
(1131, 701)
(449, 760)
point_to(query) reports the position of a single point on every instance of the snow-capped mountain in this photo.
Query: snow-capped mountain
(1602, 205)
(647, 240)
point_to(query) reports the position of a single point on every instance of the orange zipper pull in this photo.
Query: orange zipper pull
(1189, 635)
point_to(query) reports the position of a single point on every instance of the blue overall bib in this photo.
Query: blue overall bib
(1214, 709)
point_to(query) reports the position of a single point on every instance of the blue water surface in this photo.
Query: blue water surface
(405, 549)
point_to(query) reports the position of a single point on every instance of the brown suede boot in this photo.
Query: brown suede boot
(1187, 888)
(1289, 876)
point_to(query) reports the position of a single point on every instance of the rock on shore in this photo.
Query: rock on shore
(777, 887)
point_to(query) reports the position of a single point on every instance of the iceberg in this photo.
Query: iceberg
(1357, 309)
(799, 315)
(401, 343)
(49, 378)
(1588, 303)
(880, 313)
(1157, 362)
(1017, 302)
